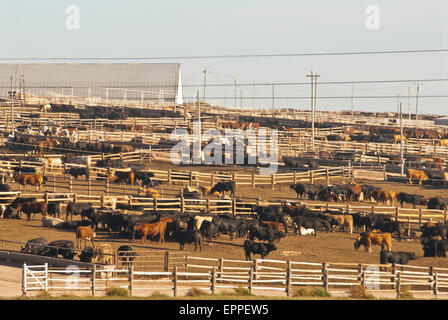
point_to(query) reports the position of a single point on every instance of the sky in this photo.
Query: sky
(174, 28)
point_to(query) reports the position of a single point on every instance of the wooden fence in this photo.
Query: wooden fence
(215, 275)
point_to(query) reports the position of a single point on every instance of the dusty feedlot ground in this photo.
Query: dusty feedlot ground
(330, 247)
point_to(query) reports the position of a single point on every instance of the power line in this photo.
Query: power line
(266, 55)
(241, 84)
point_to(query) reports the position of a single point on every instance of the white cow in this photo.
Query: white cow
(51, 222)
(198, 221)
(305, 232)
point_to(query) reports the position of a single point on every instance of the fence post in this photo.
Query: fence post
(169, 176)
(325, 275)
(175, 281)
(221, 268)
(288, 279)
(24, 284)
(213, 280)
(251, 274)
(131, 280)
(273, 181)
(327, 176)
(311, 177)
(398, 284)
(435, 284)
(233, 207)
(93, 279)
(70, 184)
(420, 217)
(397, 211)
(167, 261)
(46, 276)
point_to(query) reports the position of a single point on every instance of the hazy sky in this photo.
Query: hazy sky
(137, 28)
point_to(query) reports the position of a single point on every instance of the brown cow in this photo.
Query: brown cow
(31, 207)
(345, 221)
(384, 196)
(367, 239)
(277, 226)
(148, 192)
(151, 230)
(29, 178)
(125, 176)
(442, 142)
(84, 233)
(416, 174)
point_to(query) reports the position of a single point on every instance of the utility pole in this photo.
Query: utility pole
(205, 81)
(313, 103)
(419, 86)
(253, 97)
(241, 99)
(409, 104)
(353, 97)
(235, 78)
(12, 108)
(401, 140)
(273, 99)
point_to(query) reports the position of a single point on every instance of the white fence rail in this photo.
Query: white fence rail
(260, 274)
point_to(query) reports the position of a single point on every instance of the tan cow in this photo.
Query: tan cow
(367, 239)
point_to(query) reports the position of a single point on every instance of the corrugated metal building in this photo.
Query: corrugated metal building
(441, 121)
(150, 82)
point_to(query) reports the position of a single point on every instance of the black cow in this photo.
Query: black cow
(87, 255)
(411, 198)
(313, 191)
(24, 169)
(368, 191)
(78, 171)
(388, 225)
(20, 200)
(188, 236)
(145, 179)
(435, 248)
(74, 208)
(272, 213)
(126, 254)
(265, 234)
(11, 213)
(432, 231)
(72, 225)
(208, 230)
(222, 187)
(35, 246)
(310, 223)
(438, 203)
(398, 257)
(225, 225)
(299, 188)
(260, 248)
(65, 248)
(54, 208)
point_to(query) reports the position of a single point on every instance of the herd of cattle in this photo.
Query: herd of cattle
(354, 192)
(262, 232)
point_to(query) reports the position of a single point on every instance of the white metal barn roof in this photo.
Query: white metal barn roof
(441, 121)
(127, 81)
